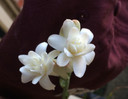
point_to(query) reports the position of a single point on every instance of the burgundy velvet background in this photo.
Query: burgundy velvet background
(107, 19)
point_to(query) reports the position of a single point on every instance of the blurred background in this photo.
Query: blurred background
(9, 10)
(116, 89)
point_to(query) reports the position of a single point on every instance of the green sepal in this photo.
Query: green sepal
(63, 82)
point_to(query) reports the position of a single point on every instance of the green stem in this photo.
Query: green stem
(65, 93)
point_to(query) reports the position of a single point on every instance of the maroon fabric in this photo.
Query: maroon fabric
(107, 19)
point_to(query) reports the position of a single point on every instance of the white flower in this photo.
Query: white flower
(74, 45)
(37, 67)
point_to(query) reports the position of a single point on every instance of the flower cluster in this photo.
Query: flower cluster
(73, 51)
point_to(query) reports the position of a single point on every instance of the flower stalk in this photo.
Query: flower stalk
(64, 83)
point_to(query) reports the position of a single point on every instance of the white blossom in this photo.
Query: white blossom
(38, 66)
(74, 45)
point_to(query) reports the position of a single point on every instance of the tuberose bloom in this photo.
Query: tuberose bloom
(38, 66)
(74, 45)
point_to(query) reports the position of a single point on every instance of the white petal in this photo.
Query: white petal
(36, 59)
(42, 47)
(79, 66)
(56, 41)
(26, 75)
(36, 80)
(67, 53)
(33, 54)
(89, 57)
(66, 27)
(88, 33)
(44, 57)
(73, 48)
(74, 32)
(77, 23)
(50, 65)
(62, 60)
(46, 83)
(24, 59)
(53, 54)
(89, 48)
